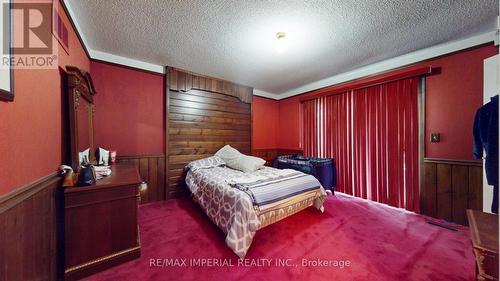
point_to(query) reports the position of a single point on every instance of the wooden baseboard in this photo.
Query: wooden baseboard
(126, 157)
(152, 171)
(179, 193)
(30, 231)
(477, 163)
(450, 187)
(17, 196)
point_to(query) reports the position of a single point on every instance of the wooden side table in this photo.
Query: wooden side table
(484, 234)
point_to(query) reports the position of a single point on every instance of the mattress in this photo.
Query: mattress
(234, 211)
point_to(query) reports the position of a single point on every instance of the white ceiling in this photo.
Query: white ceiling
(235, 40)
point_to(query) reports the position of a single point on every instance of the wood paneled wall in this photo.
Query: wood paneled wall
(203, 114)
(181, 80)
(152, 171)
(450, 187)
(269, 154)
(28, 231)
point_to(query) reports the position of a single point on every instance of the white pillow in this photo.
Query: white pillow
(238, 161)
(246, 164)
(228, 153)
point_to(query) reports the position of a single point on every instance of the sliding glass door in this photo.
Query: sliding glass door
(373, 135)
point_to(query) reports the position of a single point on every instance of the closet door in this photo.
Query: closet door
(491, 86)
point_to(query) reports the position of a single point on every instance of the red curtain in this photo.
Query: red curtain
(373, 135)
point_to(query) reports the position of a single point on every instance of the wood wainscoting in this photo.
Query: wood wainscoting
(203, 115)
(29, 240)
(450, 187)
(152, 171)
(269, 154)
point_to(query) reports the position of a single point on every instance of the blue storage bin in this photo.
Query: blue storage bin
(321, 168)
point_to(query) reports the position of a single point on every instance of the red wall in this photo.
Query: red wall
(265, 122)
(290, 136)
(452, 98)
(129, 110)
(30, 127)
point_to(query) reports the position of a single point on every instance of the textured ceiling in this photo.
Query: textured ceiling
(235, 40)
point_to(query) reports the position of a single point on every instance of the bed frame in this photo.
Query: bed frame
(285, 208)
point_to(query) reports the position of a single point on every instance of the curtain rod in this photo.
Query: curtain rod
(371, 81)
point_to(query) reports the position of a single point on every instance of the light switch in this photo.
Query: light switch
(435, 137)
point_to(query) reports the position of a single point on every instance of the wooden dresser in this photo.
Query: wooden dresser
(101, 227)
(484, 234)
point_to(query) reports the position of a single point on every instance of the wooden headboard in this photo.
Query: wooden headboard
(204, 114)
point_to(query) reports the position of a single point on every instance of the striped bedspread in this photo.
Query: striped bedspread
(233, 210)
(266, 190)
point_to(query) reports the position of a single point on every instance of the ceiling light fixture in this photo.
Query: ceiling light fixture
(281, 42)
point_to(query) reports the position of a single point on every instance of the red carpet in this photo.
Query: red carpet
(381, 243)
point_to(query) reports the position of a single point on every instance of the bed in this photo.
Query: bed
(223, 193)
(205, 114)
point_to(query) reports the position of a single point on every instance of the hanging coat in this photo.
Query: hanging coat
(486, 137)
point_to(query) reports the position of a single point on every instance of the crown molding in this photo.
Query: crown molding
(72, 18)
(385, 65)
(396, 62)
(107, 57)
(264, 94)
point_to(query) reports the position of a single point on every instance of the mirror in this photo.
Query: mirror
(84, 139)
(81, 114)
(6, 43)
